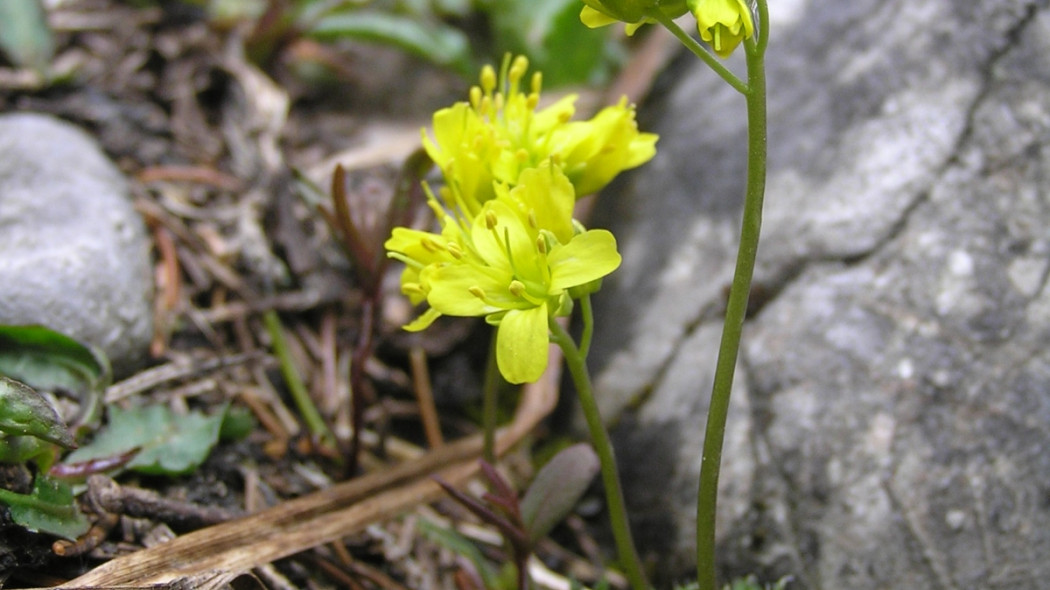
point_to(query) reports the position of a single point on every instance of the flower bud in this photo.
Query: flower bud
(723, 24)
(598, 13)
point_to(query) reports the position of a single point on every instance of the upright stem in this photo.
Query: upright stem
(736, 309)
(490, 403)
(577, 366)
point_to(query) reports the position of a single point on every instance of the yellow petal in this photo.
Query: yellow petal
(589, 256)
(469, 290)
(507, 229)
(548, 197)
(423, 322)
(594, 19)
(521, 344)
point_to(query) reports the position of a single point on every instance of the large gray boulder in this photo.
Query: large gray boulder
(75, 253)
(893, 407)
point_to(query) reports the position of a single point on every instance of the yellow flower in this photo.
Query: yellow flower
(500, 132)
(599, 13)
(723, 24)
(593, 152)
(514, 263)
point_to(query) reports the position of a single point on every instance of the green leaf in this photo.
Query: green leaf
(49, 509)
(24, 34)
(456, 543)
(24, 412)
(48, 360)
(169, 444)
(557, 488)
(431, 40)
(550, 33)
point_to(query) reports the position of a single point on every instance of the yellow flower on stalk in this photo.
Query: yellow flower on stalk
(501, 132)
(514, 264)
(599, 13)
(723, 24)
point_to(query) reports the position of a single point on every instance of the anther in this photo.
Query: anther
(516, 288)
(517, 69)
(454, 249)
(488, 79)
(477, 292)
(532, 219)
(490, 219)
(541, 245)
(431, 245)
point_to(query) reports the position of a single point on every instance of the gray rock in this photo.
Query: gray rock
(75, 252)
(896, 380)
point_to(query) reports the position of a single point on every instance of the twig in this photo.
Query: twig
(114, 498)
(425, 397)
(179, 369)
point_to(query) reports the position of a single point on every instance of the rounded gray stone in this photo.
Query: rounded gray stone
(76, 256)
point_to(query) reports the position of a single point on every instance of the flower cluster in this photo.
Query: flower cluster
(508, 247)
(722, 24)
(501, 132)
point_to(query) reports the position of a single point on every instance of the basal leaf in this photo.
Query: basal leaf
(24, 412)
(433, 40)
(549, 32)
(558, 486)
(169, 444)
(47, 360)
(49, 509)
(24, 34)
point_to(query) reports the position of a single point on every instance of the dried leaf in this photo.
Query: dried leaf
(557, 488)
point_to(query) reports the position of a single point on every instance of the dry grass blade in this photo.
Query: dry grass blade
(222, 552)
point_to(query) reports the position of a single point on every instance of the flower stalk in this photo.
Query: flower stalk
(736, 309)
(577, 365)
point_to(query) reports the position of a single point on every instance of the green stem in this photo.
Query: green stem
(603, 446)
(489, 403)
(306, 406)
(736, 309)
(698, 49)
(587, 314)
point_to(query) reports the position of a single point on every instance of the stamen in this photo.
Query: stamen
(475, 97)
(541, 245)
(522, 155)
(477, 292)
(488, 79)
(431, 245)
(532, 219)
(516, 288)
(413, 289)
(518, 68)
(506, 246)
(454, 249)
(490, 219)
(537, 83)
